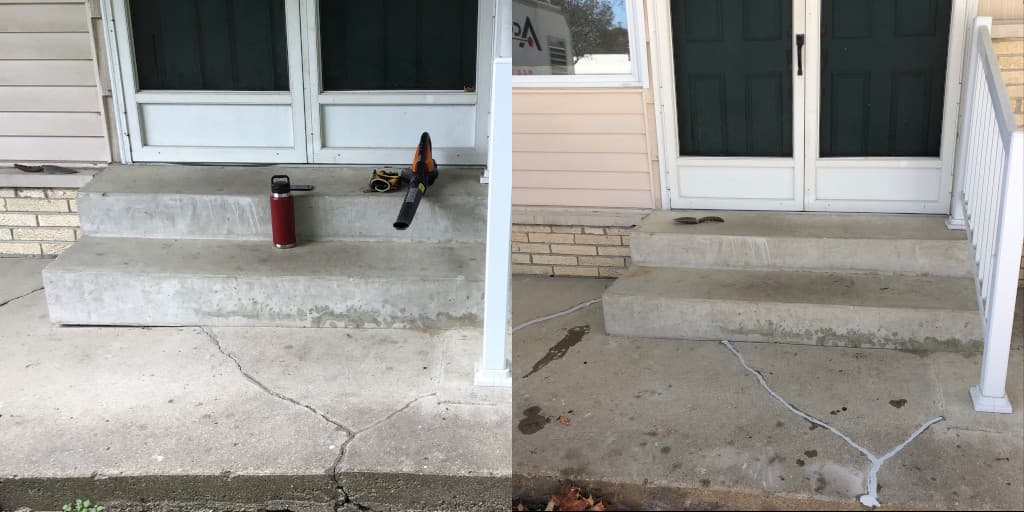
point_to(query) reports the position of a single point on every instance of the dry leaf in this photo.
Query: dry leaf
(600, 507)
(552, 503)
(564, 420)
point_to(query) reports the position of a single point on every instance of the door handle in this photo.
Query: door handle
(799, 54)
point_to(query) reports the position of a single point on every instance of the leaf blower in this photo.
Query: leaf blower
(420, 177)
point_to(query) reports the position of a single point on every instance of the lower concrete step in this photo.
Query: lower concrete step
(232, 202)
(133, 281)
(915, 244)
(817, 308)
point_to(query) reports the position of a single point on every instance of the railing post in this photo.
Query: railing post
(956, 211)
(990, 394)
(494, 368)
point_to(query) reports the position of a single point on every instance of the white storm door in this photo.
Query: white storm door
(734, 128)
(381, 73)
(212, 80)
(881, 104)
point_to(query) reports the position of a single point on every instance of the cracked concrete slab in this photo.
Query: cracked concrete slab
(660, 423)
(252, 417)
(103, 404)
(20, 276)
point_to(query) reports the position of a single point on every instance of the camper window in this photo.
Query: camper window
(559, 43)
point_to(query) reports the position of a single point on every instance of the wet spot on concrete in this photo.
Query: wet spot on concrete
(533, 421)
(820, 484)
(677, 466)
(666, 449)
(898, 403)
(811, 454)
(780, 424)
(800, 462)
(573, 336)
(651, 433)
(704, 482)
(814, 425)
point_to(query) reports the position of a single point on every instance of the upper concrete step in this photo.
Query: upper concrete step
(232, 202)
(915, 244)
(852, 309)
(135, 281)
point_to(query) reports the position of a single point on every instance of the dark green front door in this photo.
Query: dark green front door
(734, 88)
(883, 69)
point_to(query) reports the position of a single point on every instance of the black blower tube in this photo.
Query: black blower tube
(421, 175)
(409, 205)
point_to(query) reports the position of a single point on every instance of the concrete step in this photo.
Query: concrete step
(816, 308)
(914, 244)
(232, 202)
(135, 281)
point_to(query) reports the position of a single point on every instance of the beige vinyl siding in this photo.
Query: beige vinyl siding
(1001, 9)
(50, 100)
(582, 147)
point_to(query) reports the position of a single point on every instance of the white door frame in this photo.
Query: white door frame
(474, 106)
(805, 141)
(749, 170)
(302, 44)
(134, 100)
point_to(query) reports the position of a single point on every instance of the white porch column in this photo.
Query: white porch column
(494, 369)
(956, 206)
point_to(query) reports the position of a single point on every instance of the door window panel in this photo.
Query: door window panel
(398, 44)
(883, 77)
(734, 85)
(216, 45)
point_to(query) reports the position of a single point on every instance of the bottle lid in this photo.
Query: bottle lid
(280, 184)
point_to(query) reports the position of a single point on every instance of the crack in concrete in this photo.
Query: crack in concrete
(869, 499)
(564, 312)
(6, 302)
(351, 434)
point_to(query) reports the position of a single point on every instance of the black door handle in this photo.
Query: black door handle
(799, 54)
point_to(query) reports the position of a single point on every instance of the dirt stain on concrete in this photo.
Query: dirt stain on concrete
(533, 421)
(898, 403)
(811, 454)
(573, 336)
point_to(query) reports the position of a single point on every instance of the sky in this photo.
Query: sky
(620, 12)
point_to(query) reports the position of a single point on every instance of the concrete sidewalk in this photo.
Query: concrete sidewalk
(242, 418)
(660, 424)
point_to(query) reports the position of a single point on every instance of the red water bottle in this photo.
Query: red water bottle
(282, 210)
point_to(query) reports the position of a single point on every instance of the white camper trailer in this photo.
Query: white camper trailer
(541, 43)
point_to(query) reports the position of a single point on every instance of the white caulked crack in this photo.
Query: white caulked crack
(564, 312)
(871, 498)
(350, 434)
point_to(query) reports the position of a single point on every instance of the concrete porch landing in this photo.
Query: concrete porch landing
(663, 424)
(236, 418)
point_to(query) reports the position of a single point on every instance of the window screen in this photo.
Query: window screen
(398, 44)
(220, 45)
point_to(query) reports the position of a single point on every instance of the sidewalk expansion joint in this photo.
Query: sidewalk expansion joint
(869, 499)
(6, 302)
(564, 312)
(350, 433)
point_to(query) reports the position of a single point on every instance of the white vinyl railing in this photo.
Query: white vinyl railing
(988, 202)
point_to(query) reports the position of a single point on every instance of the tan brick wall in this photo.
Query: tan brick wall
(569, 250)
(1011, 62)
(37, 221)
